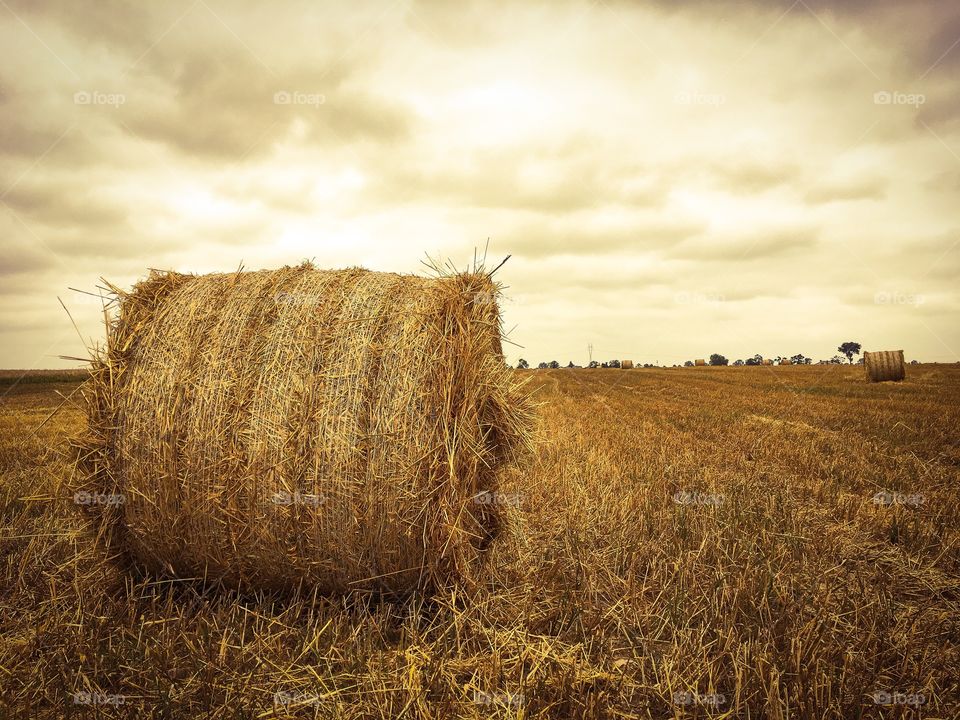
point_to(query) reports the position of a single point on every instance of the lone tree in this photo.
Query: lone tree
(688, 363)
(718, 359)
(554, 365)
(850, 349)
(523, 364)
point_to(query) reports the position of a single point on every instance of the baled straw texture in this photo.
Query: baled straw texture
(884, 365)
(327, 428)
(768, 362)
(786, 361)
(699, 362)
(626, 365)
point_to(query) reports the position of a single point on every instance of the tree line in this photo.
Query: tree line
(845, 350)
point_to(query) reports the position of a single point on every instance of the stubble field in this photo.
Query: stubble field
(773, 542)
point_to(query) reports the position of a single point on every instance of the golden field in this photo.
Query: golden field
(755, 542)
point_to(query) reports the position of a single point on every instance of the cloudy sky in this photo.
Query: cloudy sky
(671, 178)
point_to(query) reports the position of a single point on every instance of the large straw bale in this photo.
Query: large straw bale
(699, 362)
(884, 365)
(336, 429)
(626, 364)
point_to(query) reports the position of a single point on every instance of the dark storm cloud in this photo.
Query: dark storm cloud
(107, 22)
(230, 106)
(30, 139)
(61, 203)
(190, 81)
(19, 258)
(839, 7)
(941, 113)
(940, 52)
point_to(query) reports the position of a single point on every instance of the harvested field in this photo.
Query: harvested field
(734, 543)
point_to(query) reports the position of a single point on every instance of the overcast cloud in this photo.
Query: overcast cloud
(672, 179)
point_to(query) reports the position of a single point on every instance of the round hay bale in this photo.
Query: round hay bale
(332, 429)
(626, 364)
(885, 365)
(699, 362)
(767, 362)
(786, 361)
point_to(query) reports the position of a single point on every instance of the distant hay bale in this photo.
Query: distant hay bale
(786, 361)
(699, 362)
(884, 365)
(626, 364)
(336, 429)
(768, 362)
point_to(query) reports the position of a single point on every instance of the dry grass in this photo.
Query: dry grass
(335, 429)
(784, 541)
